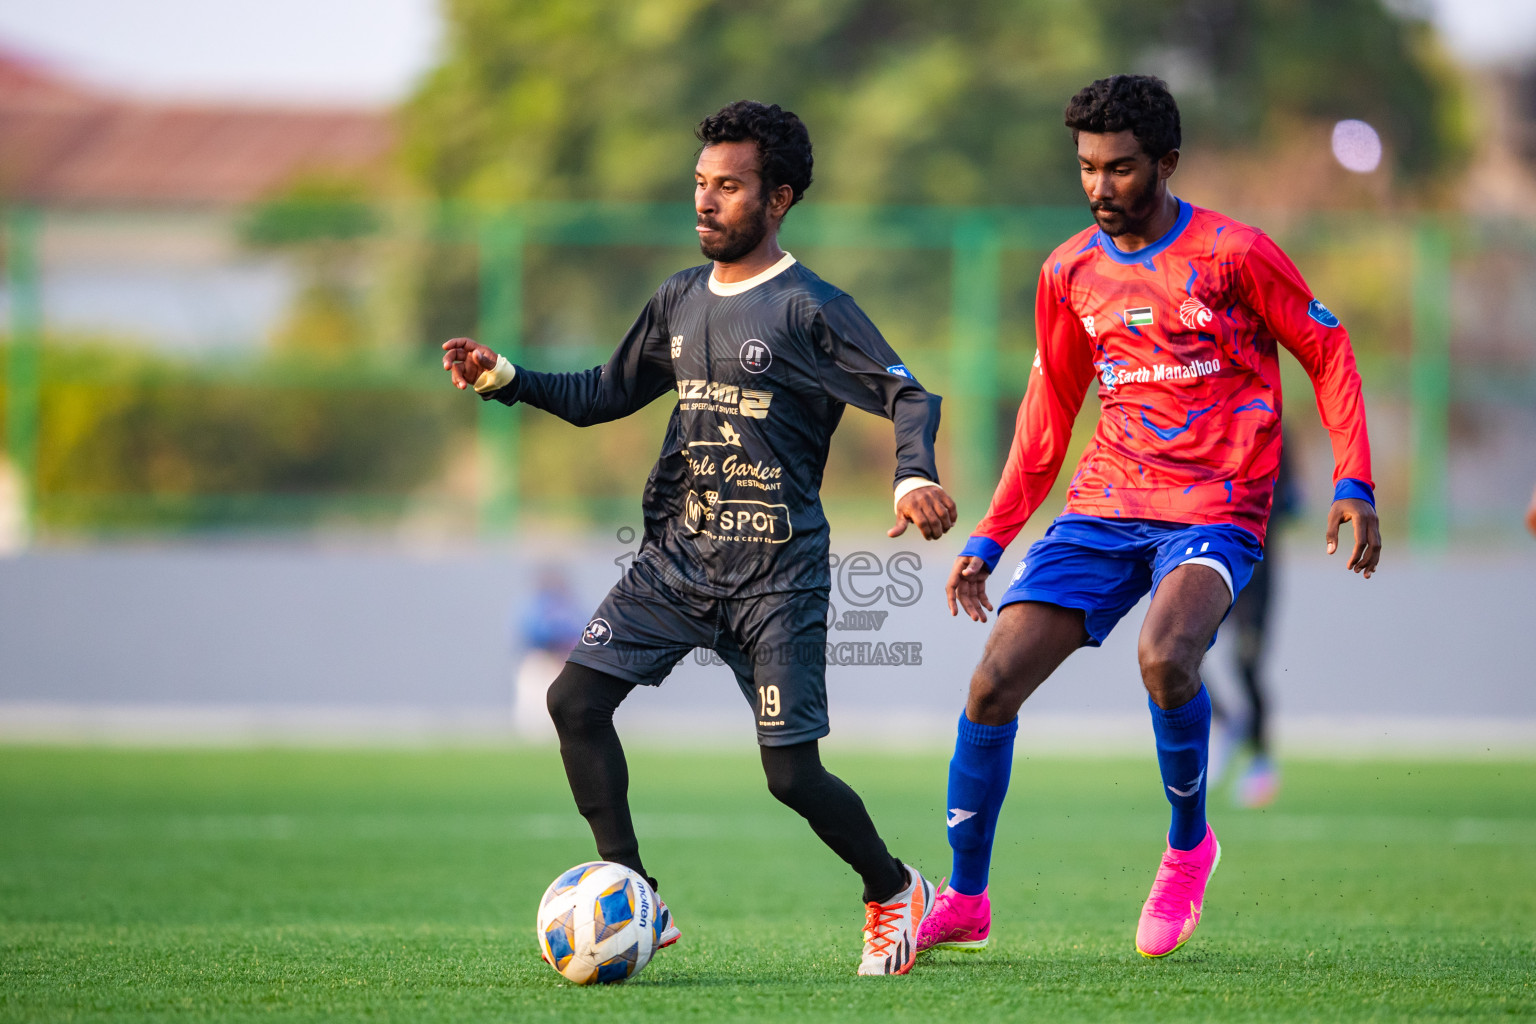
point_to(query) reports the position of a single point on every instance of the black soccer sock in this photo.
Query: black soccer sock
(582, 701)
(836, 814)
(1258, 724)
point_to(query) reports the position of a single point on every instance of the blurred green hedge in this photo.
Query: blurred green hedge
(129, 439)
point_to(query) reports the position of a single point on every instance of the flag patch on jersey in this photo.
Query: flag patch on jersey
(1139, 317)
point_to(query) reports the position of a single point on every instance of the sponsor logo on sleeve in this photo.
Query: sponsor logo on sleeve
(1322, 314)
(677, 345)
(755, 355)
(1088, 326)
(1139, 317)
(1195, 314)
(900, 370)
(597, 633)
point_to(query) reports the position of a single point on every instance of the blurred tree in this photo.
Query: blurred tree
(160, 444)
(908, 102)
(1243, 68)
(321, 222)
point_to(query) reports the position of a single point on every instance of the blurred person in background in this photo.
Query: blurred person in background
(1247, 729)
(549, 627)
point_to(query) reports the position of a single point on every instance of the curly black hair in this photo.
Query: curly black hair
(782, 140)
(1141, 104)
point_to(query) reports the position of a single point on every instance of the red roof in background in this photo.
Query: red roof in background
(65, 143)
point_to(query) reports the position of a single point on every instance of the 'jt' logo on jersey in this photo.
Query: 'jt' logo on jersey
(1088, 326)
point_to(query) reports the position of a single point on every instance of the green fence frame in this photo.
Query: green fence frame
(975, 240)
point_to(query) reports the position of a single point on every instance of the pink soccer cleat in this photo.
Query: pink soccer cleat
(958, 921)
(1259, 785)
(1172, 910)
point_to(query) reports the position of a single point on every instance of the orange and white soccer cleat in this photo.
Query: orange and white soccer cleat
(890, 929)
(1173, 908)
(666, 928)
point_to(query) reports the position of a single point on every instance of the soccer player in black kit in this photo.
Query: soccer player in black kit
(764, 356)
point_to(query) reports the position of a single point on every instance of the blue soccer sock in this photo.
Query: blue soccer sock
(978, 781)
(1183, 744)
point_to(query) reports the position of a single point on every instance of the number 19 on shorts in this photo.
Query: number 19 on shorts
(768, 701)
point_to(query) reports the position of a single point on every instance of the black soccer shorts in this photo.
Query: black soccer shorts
(775, 643)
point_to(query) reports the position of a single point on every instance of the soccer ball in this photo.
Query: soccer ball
(598, 923)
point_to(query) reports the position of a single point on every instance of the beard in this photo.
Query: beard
(1116, 219)
(739, 239)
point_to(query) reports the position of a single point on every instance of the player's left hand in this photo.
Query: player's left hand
(931, 508)
(1367, 550)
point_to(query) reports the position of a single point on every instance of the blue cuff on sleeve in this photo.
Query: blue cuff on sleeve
(984, 548)
(1349, 487)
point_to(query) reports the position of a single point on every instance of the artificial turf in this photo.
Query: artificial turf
(318, 885)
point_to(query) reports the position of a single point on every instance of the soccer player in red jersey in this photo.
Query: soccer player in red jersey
(1175, 313)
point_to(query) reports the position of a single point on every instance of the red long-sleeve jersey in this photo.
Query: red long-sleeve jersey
(1181, 337)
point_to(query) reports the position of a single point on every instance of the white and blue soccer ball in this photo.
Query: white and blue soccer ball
(598, 923)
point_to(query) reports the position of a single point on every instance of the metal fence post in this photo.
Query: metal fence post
(1430, 385)
(971, 407)
(24, 370)
(501, 327)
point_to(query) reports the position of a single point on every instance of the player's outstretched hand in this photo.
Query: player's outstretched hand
(1367, 550)
(466, 359)
(931, 508)
(968, 585)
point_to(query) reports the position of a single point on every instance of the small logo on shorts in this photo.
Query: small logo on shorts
(1018, 574)
(755, 356)
(597, 633)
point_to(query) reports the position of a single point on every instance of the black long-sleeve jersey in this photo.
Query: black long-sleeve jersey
(762, 374)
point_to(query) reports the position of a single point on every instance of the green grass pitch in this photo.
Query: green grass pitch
(401, 886)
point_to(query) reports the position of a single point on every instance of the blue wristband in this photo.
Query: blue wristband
(984, 548)
(1349, 487)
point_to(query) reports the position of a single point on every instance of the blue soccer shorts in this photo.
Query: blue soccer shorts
(1104, 566)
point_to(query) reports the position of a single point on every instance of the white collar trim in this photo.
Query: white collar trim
(737, 287)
